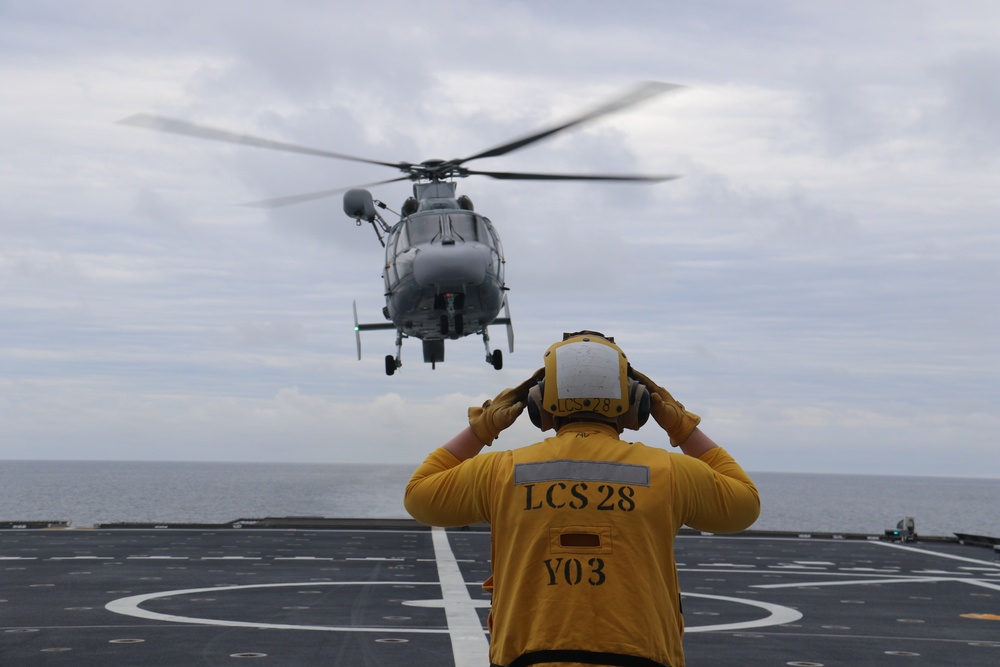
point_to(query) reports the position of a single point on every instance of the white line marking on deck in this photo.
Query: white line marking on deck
(129, 606)
(468, 640)
(980, 582)
(934, 553)
(858, 582)
(778, 614)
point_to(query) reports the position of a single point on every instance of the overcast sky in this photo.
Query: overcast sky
(822, 285)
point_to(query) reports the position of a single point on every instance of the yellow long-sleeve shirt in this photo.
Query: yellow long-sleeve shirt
(583, 527)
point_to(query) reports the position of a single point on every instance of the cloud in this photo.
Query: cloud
(818, 283)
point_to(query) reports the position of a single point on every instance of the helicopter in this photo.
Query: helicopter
(444, 263)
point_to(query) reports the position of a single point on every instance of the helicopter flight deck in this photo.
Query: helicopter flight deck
(383, 593)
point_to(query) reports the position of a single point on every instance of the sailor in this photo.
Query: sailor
(583, 523)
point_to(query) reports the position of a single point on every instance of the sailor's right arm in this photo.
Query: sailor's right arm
(444, 491)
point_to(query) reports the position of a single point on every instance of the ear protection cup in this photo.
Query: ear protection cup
(638, 407)
(536, 414)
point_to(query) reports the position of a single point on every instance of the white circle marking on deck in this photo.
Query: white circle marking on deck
(130, 606)
(778, 614)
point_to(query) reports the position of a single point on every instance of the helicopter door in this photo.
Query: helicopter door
(497, 250)
(391, 243)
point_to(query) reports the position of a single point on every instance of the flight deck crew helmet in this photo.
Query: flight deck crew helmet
(586, 379)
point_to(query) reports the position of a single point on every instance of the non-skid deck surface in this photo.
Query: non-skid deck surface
(365, 597)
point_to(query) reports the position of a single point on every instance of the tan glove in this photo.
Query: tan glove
(667, 411)
(498, 414)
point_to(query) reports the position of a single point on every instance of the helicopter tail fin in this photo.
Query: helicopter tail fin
(358, 328)
(506, 320)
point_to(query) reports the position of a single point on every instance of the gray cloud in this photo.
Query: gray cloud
(819, 285)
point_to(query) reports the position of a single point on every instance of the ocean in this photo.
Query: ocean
(88, 492)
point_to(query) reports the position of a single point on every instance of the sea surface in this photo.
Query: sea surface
(88, 492)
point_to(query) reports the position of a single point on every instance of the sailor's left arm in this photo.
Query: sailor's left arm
(718, 494)
(464, 445)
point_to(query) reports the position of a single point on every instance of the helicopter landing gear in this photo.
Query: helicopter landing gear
(494, 358)
(391, 362)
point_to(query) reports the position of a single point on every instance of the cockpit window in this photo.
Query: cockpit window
(423, 229)
(470, 227)
(464, 227)
(447, 228)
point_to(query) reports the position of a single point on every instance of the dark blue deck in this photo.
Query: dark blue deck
(406, 595)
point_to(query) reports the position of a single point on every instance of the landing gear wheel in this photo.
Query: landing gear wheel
(497, 359)
(390, 364)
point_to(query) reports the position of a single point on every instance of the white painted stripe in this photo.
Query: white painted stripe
(948, 572)
(980, 582)
(925, 552)
(855, 582)
(130, 606)
(778, 614)
(883, 570)
(468, 639)
(811, 573)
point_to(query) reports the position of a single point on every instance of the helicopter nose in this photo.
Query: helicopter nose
(451, 265)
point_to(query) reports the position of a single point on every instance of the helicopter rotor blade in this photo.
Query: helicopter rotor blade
(525, 176)
(639, 94)
(164, 124)
(310, 196)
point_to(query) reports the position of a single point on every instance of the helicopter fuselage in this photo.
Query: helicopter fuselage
(444, 273)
